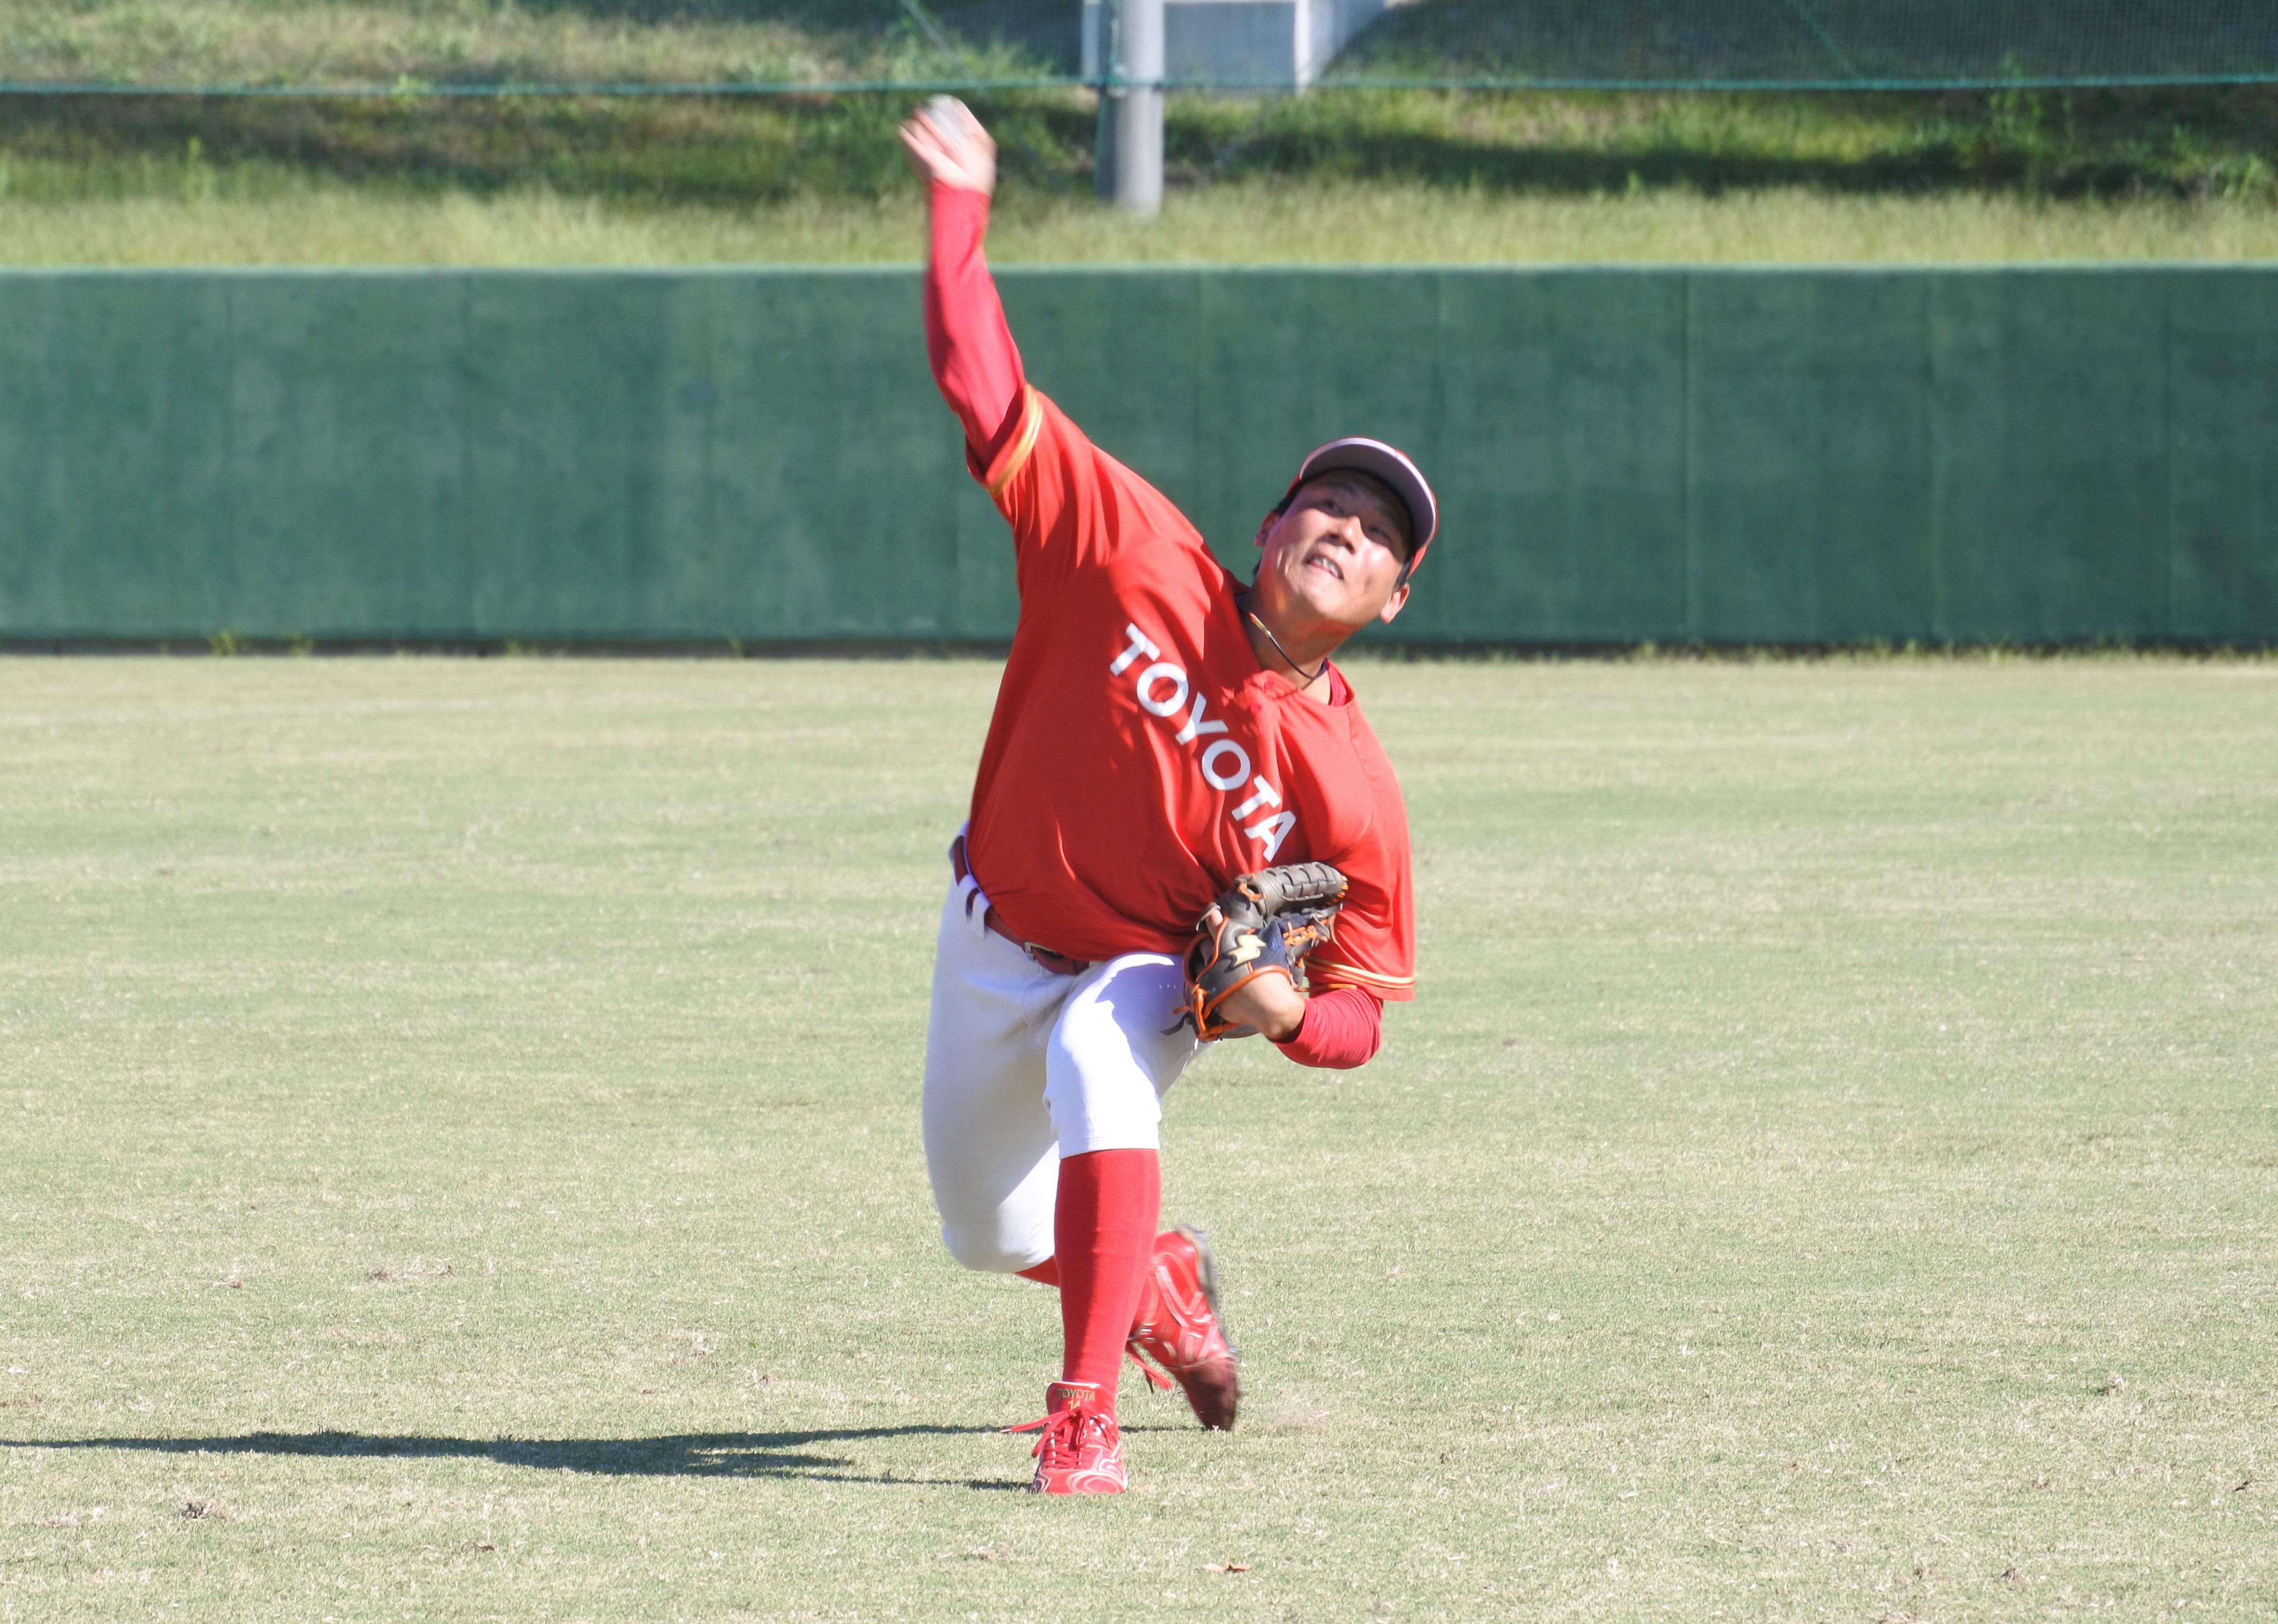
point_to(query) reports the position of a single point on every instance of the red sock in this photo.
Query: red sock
(1048, 1273)
(1103, 1231)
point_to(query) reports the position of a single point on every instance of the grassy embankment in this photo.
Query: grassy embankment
(1336, 175)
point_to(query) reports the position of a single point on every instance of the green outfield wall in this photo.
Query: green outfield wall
(1718, 455)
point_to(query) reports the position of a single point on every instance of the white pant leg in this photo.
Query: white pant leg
(990, 1151)
(1023, 1067)
(1114, 1053)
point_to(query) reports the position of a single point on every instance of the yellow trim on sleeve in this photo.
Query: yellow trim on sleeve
(1023, 445)
(1326, 970)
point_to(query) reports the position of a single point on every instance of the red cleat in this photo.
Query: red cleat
(1182, 1332)
(1081, 1450)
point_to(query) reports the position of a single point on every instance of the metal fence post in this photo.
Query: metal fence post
(1130, 166)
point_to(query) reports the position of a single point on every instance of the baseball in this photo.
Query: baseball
(950, 117)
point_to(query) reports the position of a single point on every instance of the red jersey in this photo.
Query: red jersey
(1140, 757)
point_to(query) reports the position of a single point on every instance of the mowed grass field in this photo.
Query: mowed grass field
(462, 1161)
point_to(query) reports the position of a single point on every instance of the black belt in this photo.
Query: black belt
(1044, 958)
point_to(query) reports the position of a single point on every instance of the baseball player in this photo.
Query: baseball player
(1163, 728)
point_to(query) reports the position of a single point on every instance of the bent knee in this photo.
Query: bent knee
(986, 1252)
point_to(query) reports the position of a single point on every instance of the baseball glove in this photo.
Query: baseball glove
(1264, 926)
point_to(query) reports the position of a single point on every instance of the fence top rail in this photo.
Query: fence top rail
(911, 270)
(505, 90)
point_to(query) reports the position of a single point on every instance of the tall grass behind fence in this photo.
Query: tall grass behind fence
(762, 101)
(425, 48)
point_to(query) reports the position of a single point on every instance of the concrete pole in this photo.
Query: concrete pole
(1132, 174)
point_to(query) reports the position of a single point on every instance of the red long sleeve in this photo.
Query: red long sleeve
(1343, 1028)
(974, 360)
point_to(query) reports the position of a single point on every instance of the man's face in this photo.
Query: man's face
(1336, 552)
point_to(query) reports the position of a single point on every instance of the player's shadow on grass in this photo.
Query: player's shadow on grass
(687, 1454)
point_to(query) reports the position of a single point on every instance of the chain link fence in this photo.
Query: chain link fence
(1822, 44)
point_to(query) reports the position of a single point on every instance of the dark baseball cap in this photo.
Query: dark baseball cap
(1394, 468)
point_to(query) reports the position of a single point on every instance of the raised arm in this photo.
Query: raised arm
(975, 363)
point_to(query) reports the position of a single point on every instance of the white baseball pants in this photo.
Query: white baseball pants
(1023, 1067)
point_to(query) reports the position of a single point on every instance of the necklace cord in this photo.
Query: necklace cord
(1312, 678)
